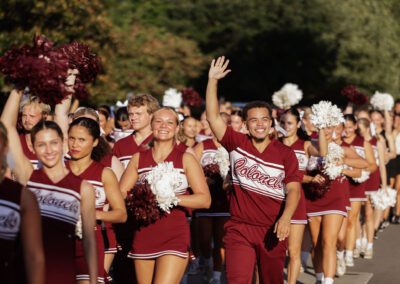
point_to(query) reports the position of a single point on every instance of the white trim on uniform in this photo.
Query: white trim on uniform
(320, 213)
(158, 254)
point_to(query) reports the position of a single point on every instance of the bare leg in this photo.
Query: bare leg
(315, 229)
(108, 259)
(330, 230)
(341, 240)
(369, 221)
(144, 270)
(352, 221)
(295, 240)
(170, 269)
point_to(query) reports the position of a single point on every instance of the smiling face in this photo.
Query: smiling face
(236, 122)
(189, 127)
(164, 125)
(258, 123)
(290, 124)
(349, 129)
(139, 117)
(80, 142)
(48, 146)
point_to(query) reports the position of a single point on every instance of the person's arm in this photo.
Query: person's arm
(310, 149)
(198, 149)
(88, 213)
(31, 237)
(381, 156)
(388, 122)
(316, 179)
(322, 143)
(114, 197)
(191, 151)
(201, 195)
(130, 176)
(117, 167)
(369, 157)
(352, 159)
(22, 166)
(282, 227)
(353, 172)
(391, 154)
(217, 71)
(61, 112)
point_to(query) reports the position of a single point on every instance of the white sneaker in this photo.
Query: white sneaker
(340, 267)
(357, 251)
(368, 254)
(349, 261)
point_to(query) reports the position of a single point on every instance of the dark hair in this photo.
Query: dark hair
(44, 125)
(350, 117)
(102, 148)
(104, 112)
(237, 113)
(300, 131)
(256, 104)
(376, 111)
(121, 114)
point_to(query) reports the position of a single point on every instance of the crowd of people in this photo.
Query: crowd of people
(154, 194)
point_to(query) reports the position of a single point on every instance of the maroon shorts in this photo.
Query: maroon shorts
(247, 244)
(110, 241)
(300, 215)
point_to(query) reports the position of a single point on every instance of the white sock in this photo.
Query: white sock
(328, 280)
(358, 243)
(370, 245)
(340, 254)
(216, 275)
(319, 276)
(349, 253)
(364, 242)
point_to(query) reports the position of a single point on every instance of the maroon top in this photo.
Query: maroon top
(126, 147)
(259, 178)
(27, 152)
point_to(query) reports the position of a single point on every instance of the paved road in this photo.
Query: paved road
(384, 268)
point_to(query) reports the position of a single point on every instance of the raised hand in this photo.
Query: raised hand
(218, 68)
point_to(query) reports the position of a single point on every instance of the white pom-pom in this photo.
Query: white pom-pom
(332, 164)
(364, 177)
(382, 101)
(78, 228)
(163, 180)
(383, 198)
(172, 98)
(222, 159)
(324, 114)
(289, 95)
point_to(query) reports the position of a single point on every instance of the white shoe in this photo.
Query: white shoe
(357, 251)
(349, 261)
(368, 254)
(340, 267)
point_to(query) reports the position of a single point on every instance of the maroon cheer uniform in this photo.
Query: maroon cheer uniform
(300, 215)
(105, 237)
(256, 204)
(10, 222)
(59, 205)
(170, 234)
(107, 161)
(374, 181)
(28, 153)
(357, 190)
(335, 201)
(126, 147)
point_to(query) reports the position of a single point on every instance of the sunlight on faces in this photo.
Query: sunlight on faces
(363, 129)
(48, 147)
(349, 128)
(290, 124)
(103, 120)
(204, 123)
(31, 115)
(139, 117)
(165, 125)
(258, 123)
(363, 114)
(377, 119)
(189, 127)
(337, 132)
(80, 142)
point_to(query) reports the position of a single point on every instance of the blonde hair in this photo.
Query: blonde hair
(35, 101)
(82, 111)
(144, 100)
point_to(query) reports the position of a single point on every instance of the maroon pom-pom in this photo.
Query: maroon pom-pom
(313, 190)
(354, 95)
(142, 204)
(191, 97)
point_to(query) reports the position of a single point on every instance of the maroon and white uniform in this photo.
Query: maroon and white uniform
(335, 201)
(219, 200)
(256, 204)
(357, 190)
(107, 161)
(105, 237)
(126, 147)
(374, 181)
(28, 153)
(59, 205)
(10, 223)
(300, 215)
(170, 234)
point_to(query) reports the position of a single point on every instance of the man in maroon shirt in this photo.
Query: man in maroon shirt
(266, 184)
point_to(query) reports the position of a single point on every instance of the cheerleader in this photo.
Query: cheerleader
(373, 216)
(86, 151)
(299, 141)
(357, 189)
(327, 212)
(237, 122)
(20, 214)
(161, 250)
